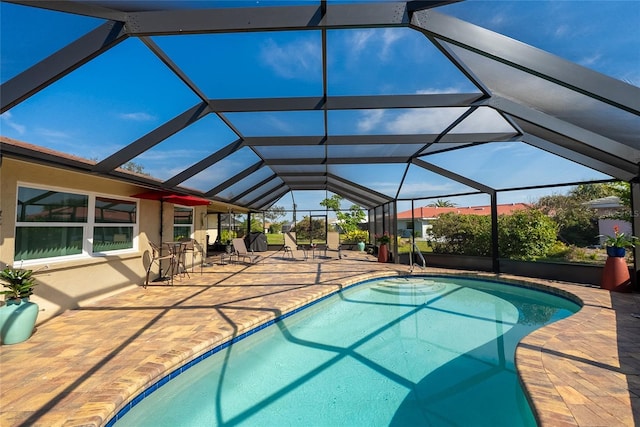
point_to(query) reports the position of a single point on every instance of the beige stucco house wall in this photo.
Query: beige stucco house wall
(68, 285)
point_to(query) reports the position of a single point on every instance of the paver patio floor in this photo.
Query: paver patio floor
(81, 367)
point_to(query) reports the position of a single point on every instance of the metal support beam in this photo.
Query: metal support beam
(205, 163)
(275, 196)
(248, 19)
(153, 138)
(581, 136)
(495, 249)
(565, 148)
(252, 203)
(453, 176)
(75, 7)
(415, 5)
(358, 198)
(456, 138)
(635, 228)
(173, 67)
(528, 59)
(254, 188)
(338, 160)
(355, 102)
(372, 193)
(236, 178)
(61, 63)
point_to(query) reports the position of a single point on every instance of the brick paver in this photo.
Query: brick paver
(81, 367)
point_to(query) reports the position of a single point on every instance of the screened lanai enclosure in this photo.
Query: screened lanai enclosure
(390, 105)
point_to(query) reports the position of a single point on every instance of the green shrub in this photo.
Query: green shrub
(526, 235)
(559, 250)
(355, 236)
(462, 234)
(227, 236)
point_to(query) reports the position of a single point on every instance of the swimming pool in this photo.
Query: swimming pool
(398, 351)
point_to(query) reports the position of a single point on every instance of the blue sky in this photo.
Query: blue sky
(127, 92)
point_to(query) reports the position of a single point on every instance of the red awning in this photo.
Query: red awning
(178, 199)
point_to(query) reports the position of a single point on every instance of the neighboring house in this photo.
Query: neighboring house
(607, 206)
(424, 216)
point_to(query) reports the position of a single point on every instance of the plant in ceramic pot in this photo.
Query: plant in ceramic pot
(618, 243)
(18, 315)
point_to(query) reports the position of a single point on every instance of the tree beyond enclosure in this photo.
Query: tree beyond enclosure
(526, 235)
(577, 223)
(348, 222)
(557, 226)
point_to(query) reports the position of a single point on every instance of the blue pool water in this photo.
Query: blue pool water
(412, 351)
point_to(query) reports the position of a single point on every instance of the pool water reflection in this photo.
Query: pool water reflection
(399, 351)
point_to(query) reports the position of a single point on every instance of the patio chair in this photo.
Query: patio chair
(240, 251)
(333, 243)
(192, 247)
(157, 258)
(291, 245)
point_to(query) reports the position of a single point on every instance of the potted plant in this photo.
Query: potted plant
(383, 252)
(615, 275)
(618, 243)
(18, 315)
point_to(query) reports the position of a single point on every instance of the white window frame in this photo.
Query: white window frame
(87, 227)
(191, 226)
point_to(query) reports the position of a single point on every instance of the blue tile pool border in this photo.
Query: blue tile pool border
(155, 386)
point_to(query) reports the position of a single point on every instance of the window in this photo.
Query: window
(182, 223)
(116, 219)
(60, 224)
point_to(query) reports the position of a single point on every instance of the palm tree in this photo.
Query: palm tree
(441, 204)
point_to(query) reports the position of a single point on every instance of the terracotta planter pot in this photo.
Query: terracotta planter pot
(615, 275)
(383, 253)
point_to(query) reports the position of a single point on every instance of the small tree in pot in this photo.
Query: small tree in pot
(18, 315)
(19, 283)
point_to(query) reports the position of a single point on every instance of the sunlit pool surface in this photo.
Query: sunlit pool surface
(405, 351)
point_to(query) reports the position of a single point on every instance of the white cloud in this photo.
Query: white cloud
(423, 120)
(631, 77)
(389, 37)
(498, 19)
(359, 40)
(432, 120)
(385, 187)
(589, 61)
(283, 126)
(7, 120)
(52, 134)
(419, 189)
(381, 41)
(435, 91)
(483, 120)
(298, 59)
(137, 117)
(168, 155)
(370, 120)
(562, 31)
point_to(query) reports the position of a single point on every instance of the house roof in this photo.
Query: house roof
(610, 202)
(434, 211)
(25, 151)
